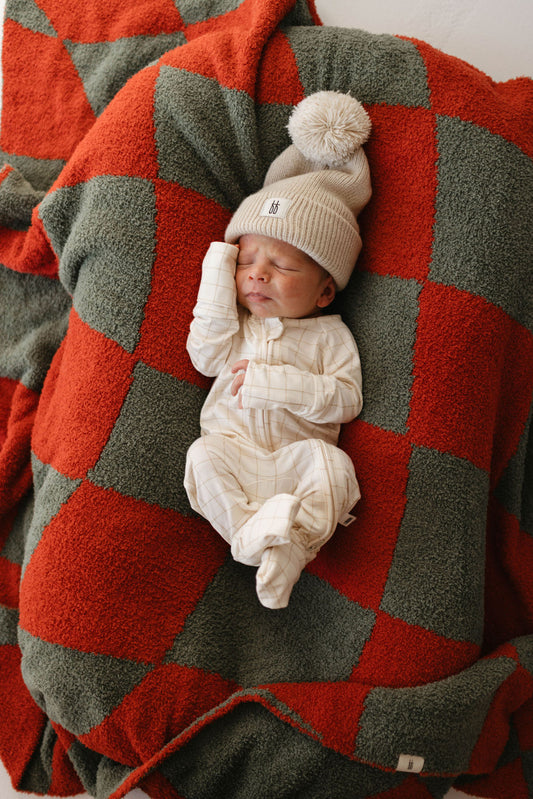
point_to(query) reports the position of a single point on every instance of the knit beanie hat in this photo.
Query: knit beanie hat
(317, 186)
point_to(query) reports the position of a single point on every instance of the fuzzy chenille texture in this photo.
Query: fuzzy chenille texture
(133, 648)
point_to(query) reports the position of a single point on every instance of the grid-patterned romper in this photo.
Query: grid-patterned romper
(269, 476)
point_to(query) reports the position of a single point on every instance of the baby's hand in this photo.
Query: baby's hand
(240, 367)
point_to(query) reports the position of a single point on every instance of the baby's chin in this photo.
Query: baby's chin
(270, 309)
(264, 309)
(262, 313)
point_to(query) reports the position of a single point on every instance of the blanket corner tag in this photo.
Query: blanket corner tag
(411, 763)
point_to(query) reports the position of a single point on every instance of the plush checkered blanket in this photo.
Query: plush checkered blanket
(133, 649)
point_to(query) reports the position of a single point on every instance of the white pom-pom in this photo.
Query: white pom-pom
(328, 127)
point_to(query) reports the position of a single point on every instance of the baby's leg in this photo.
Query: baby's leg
(231, 485)
(270, 526)
(322, 478)
(324, 483)
(212, 466)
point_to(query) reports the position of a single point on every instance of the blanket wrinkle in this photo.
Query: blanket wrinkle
(134, 651)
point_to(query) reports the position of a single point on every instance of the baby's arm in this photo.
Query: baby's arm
(332, 397)
(215, 313)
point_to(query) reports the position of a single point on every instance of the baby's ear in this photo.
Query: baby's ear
(329, 291)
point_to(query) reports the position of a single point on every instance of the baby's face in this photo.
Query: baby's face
(276, 279)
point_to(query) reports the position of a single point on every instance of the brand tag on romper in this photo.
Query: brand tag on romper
(347, 519)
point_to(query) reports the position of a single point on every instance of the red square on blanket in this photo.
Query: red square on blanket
(176, 696)
(17, 413)
(397, 225)
(128, 131)
(185, 223)
(508, 571)
(115, 576)
(400, 654)
(81, 399)
(52, 133)
(22, 719)
(109, 20)
(460, 90)
(333, 709)
(279, 60)
(471, 365)
(357, 559)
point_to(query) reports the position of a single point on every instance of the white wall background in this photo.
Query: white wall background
(494, 36)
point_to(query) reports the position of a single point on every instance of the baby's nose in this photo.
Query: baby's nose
(260, 271)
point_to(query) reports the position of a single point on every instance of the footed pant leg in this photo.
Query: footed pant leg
(327, 489)
(270, 526)
(326, 486)
(234, 487)
(212, 486)
(279, 571)
(275, 509)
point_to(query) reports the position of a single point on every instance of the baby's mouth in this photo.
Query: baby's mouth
(256, 296)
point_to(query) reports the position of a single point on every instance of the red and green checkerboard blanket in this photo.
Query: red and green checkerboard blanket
(133, 649)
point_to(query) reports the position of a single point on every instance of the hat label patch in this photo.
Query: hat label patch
(275, 206)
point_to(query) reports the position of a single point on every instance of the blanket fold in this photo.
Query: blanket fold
(133, 648)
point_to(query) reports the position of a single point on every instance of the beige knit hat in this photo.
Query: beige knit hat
(315, 189)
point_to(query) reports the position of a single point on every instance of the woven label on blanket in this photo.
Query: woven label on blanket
(134, 649)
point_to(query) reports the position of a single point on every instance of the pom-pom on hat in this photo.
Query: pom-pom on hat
(315, 189)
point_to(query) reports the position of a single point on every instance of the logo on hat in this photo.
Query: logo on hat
(275, 206)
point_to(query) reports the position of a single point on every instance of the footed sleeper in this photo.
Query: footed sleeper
(269, 476)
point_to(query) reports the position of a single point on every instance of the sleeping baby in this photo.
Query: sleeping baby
(266, 471)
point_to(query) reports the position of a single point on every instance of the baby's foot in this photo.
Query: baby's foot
(270, 526)
(280, 569)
